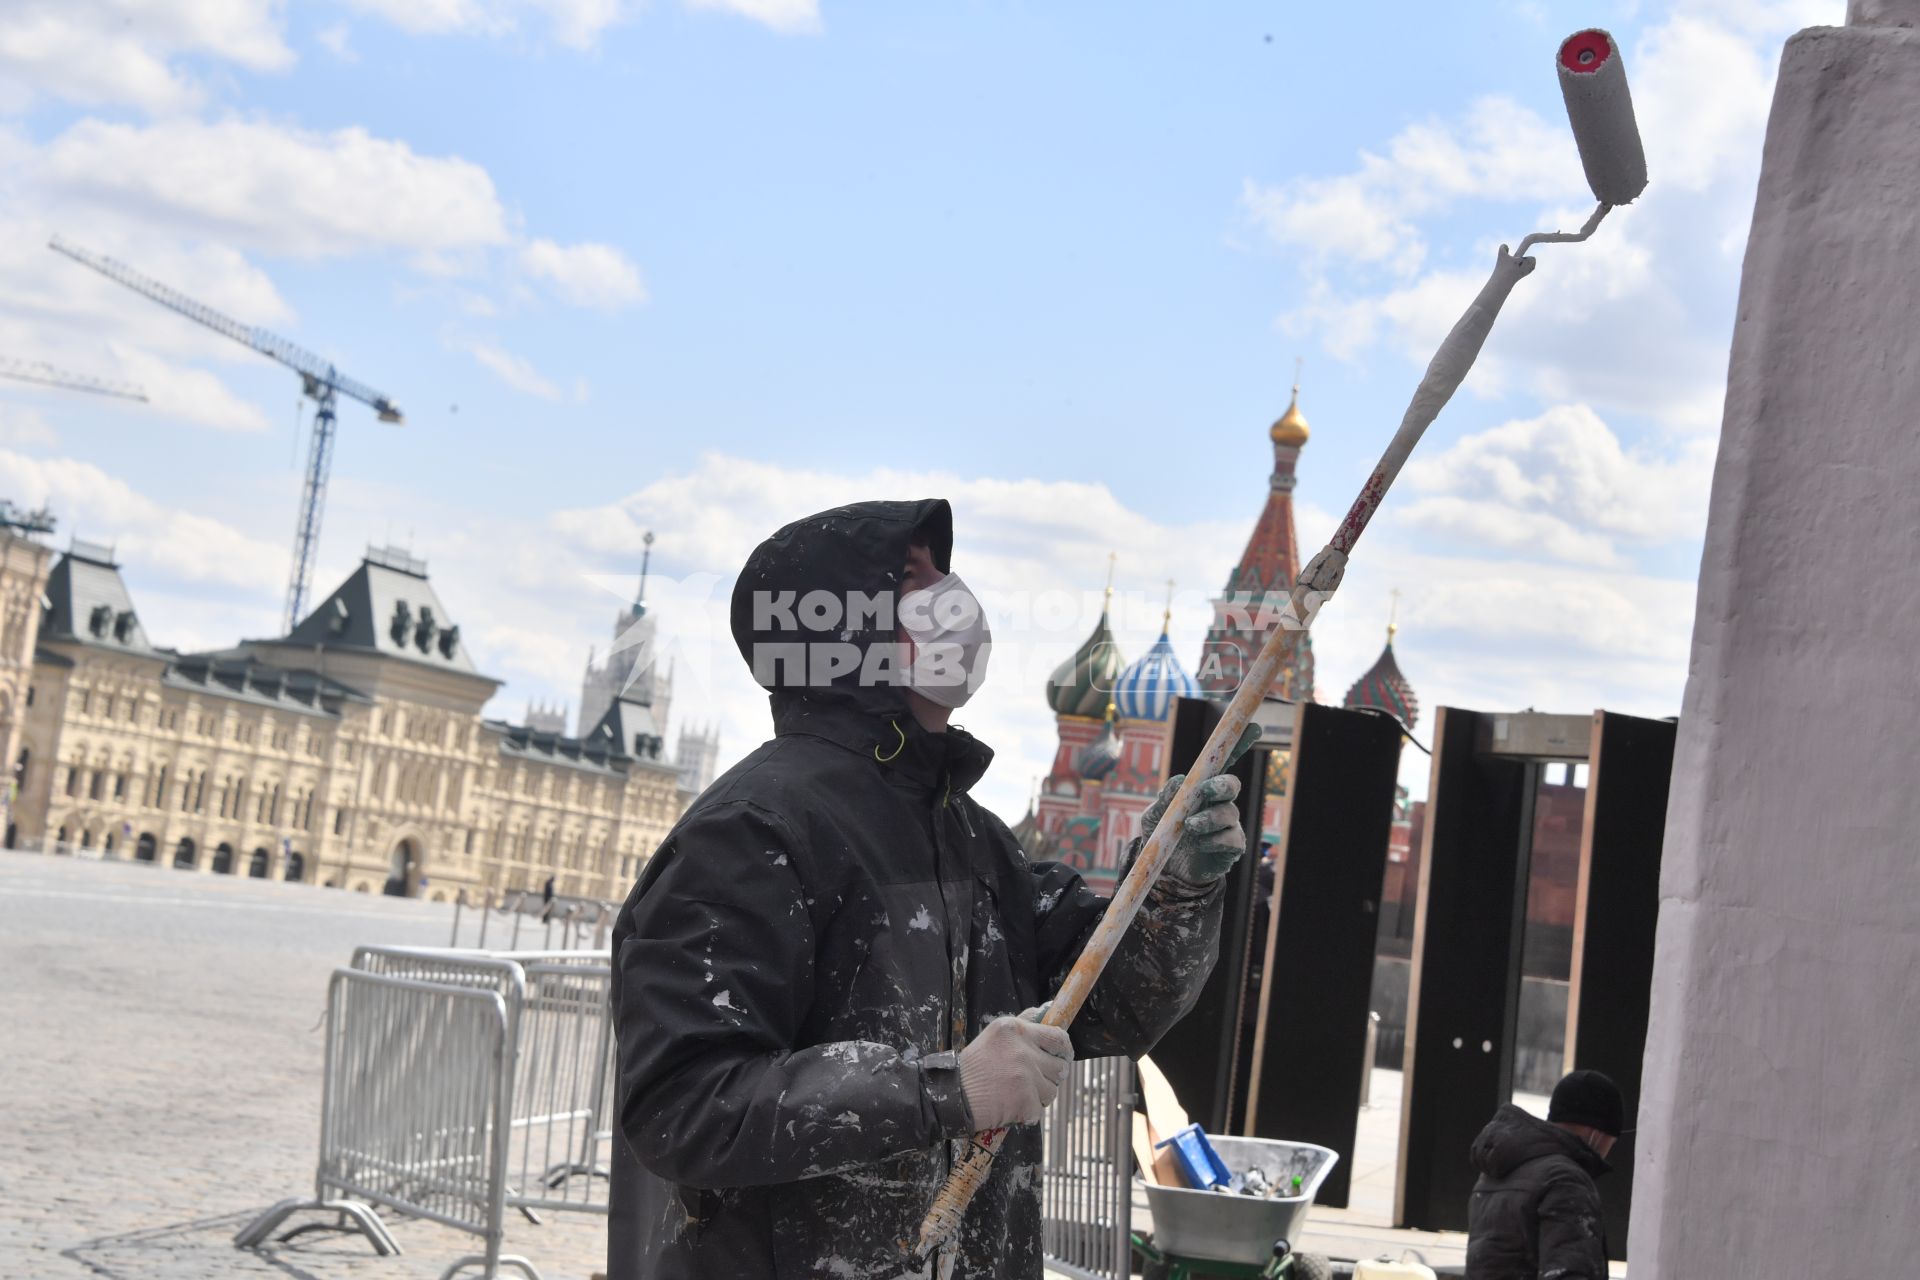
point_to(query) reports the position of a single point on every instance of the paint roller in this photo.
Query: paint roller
(1593, 81)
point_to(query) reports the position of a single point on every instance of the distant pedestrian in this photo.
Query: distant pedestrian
(1535, 1213)
(546, 894)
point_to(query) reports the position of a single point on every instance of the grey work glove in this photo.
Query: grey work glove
(1013, 1069)
(1213, 839)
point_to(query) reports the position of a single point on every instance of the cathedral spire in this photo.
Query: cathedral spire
(1248, 609)
(646, 557)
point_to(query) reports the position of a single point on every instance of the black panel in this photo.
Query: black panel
(1199, 1055)
(1465, 979)
(1339, 819)
(1627, 817)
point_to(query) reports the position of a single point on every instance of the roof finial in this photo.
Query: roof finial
(1166, 617)
(1393, 611)
(1291, 427)
(646, 557)
(1113, 558)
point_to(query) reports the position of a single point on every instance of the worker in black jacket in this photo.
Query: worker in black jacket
(818, 977)
(1535, 1213)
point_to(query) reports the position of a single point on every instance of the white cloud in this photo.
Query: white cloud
(265, 186)
(192, 394)
(1498, 150)
(105, 52)
(587, 275)
(799, 17)
(1561, 484)
(1636, 320)
(338, 40)
(59, 311)
(1477, 631)
(172, 544)
(22, 427)
(516, 371)
(577, 24)
(574, 23)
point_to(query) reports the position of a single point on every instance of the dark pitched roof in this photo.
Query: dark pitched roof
(87, 603)
(523, 742)
(245, 678)
(629, 729)
(387, 606)
(596, 753)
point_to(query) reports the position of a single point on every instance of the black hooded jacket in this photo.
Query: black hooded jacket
(817, 937)
(1535, 1213)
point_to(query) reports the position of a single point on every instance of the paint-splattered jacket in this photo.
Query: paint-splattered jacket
(1535, 1213)
(797, 968)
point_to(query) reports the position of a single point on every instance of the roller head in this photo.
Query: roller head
(1593, 80)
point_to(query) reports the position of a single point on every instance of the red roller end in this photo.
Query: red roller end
(1585, 52)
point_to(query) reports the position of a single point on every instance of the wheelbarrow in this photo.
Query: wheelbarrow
(1219, 1233)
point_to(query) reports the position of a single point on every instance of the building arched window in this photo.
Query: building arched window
(257, 865)
(296, 865)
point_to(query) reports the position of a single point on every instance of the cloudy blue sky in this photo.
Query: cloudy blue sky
(702, 266)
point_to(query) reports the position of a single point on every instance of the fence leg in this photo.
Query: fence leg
(362, 1218)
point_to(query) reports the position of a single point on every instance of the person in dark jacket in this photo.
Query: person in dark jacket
(819, 976)
(1535, 1213)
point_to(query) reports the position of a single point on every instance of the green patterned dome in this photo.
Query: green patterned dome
(1083, 684)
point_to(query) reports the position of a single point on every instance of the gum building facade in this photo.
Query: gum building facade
(352, 752)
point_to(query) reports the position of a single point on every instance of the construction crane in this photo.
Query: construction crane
(47, 376)
(25, 521)
(319, 381)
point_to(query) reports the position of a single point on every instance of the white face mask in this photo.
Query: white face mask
(950, 641)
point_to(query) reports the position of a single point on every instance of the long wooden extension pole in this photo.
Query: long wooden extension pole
(1317, 582)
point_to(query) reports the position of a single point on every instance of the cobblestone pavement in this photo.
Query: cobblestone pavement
(160, 1075)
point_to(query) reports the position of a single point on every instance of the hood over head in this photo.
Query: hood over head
(814, 609)
(1513, 1137)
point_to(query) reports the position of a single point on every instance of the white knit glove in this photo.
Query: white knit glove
(1013, 1070)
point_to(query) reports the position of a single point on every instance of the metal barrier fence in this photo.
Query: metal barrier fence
(1086, 1175)
(421, 1117)
(583, 923)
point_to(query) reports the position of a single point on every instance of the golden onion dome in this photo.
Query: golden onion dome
(1291, 427)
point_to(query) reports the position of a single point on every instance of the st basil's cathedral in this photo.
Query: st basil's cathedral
(1115, 719)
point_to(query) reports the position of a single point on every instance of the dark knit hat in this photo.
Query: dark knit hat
(1588, 1097)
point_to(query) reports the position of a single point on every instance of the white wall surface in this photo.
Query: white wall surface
(1780, 1119)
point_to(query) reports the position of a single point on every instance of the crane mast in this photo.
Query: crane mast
(319, 381)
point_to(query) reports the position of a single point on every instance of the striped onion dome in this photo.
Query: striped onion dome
(1083, 684)
(1383, 688)
(1101, 756)
(1147, 689)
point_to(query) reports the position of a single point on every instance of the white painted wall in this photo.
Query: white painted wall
(1780, 1120)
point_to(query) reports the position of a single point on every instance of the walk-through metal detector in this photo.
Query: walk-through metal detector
(1291, 1065)
(1201, 1055)
(1469, 923)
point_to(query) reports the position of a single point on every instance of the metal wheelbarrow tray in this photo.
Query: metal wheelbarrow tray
(1220, 1226)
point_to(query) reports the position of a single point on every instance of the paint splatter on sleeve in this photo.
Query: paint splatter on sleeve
(1154, 976)
(714, 978)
